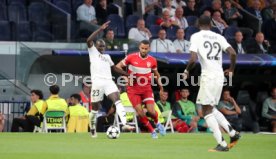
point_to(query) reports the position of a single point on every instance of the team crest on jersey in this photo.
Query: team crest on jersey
(148, 64)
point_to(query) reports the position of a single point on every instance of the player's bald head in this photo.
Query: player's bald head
(100, 45)
(100, 42)
(204, 21)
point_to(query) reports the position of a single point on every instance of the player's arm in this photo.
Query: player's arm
(119, 70)
(157, 79)
(190, 65)
(89, 40)
(232, 56)
(121, 65)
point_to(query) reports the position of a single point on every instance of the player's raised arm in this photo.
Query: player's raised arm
(232, 55)
(90, 39)
(190, 65)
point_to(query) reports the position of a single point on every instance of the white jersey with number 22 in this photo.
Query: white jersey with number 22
(209, 46)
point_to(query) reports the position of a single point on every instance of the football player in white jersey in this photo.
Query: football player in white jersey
(207, 46)
(102, 83)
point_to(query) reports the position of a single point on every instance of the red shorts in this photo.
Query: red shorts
(144, 96)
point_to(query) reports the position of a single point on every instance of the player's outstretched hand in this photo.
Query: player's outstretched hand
(105, 25)
(229, 72)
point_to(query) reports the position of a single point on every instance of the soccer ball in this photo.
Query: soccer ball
(113, 132)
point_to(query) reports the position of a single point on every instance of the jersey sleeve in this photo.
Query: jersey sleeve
(224, 44)
(110, 61)
(193, 46)
(93, 50)
(126, 60)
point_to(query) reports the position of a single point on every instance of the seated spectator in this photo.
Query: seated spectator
(259, 45)
(54, 102)
(186, 111)
(2, 122)
(86, 15)
(178, 3)
(33, 117)
(102, 11)
(190, 9)
(181, 45)
(168, 7)
(85, 96)
(140, 33)
(231, 14)
(238, 44)
(251, 3)
(230, 109)
(179, 18)
(269, 109)
(162, 44)
(166, 22)
(267, 12)
(78, 115)
(164, 106)
(256, 9)
(216, 6)
(111, 43)
(207, 13)
(218, 22)
(153, 7)
(269, 28)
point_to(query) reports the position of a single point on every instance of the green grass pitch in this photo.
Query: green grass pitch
(131, 146)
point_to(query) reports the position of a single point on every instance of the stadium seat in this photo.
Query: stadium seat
(191, 20)
(3, 12)
(17, 12)
(54, 120)
(168, 116)
(23, 31)
(3, 2)
(43, 36)
(37, 12)
(64, 5)
(23, 2)
(171, 32)
(154, 29)
(128, 109)
(5, 31)
(131, 21)
(229, 32)
(117, 24)
(190, 31)
(151, 20)
(59, 31)
(216, 30)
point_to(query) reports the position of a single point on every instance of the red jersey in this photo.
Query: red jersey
(141, 68)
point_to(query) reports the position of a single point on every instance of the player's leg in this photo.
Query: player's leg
(206, 98)
(112, 92)
(136, 101)
(96, 96)
(214, 126)
(222, 121)
(114, 97)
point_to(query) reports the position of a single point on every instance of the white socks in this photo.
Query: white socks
(121, 111)
(213, 124)
(223, 122)
(93, 119)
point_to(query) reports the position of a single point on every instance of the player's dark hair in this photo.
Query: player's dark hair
(76, 96)
(38, 93)
(54, 89)
(146, 42)
(204, 21)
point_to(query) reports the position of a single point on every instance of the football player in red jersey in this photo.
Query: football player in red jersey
(140, 67)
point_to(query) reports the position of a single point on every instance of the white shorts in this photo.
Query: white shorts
(210, 89)
(101, 87)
